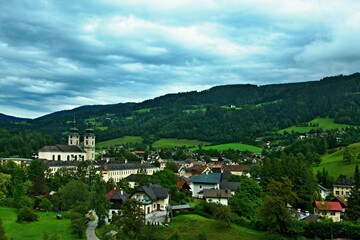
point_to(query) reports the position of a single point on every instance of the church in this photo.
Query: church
(74, 150)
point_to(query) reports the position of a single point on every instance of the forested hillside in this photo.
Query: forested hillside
(231, 113)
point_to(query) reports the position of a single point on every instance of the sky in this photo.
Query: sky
(58, 55)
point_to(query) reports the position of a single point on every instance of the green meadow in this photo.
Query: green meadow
(323, 123)
(334, 164)
(119, 141)
(236, 146)
(35, 230)
(190, 226)
(174, 142)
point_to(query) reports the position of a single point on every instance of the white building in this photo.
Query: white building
(75, 150)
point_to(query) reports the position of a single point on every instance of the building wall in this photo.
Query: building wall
(118, 174)
(64, 156)
(197, 187)
(222, 201)
(335, 216)
(341, 191)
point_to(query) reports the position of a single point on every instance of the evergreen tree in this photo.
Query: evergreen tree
(353, 210)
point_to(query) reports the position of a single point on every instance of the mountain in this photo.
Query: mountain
(220, 114)
(4, 117)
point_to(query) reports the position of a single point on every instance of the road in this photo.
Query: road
(91, 226)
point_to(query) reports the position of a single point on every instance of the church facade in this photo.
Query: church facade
(75, 150)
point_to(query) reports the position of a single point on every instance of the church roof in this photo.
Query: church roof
(62, 148)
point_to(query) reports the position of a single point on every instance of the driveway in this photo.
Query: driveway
(156, 217)
(91, 226)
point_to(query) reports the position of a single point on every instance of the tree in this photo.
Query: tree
(73, 193)
(5, 180)
(36, 174)
(274, 214)
(130, 218)
(45, 205)
(247, 198)
(171, 165)
(347, 156)
(98, 199)
(166, 178)
(353, 210)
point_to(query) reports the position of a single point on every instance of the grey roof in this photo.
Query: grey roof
(155, 191)
(217, 193)
(119, 196)
(230, 185)
(180, 207)
(62, 148)
(206, 178)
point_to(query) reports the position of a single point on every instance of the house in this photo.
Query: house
(204, 181)
(324, 192)
(220, 196)
(153, 198)
(342, 187)
(240, 170)
(116, 196)
(17, 161)
(183, 185)
(331, 210)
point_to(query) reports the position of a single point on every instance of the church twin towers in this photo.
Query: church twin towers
(75, 150)
(89, 140)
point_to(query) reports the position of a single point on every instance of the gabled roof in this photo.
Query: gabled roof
(155, 192)
(217, 193)
(197, 169)
(206, 178)
(182, 184)
(340, 200)
(117, 194)
(62, 148)
(328, 206)
(343, 182)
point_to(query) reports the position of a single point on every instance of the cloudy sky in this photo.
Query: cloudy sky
(57, 55)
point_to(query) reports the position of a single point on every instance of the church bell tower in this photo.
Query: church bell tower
(89, 142)
(74, 137)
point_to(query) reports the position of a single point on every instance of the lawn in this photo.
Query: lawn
(119, 141)
(174, 142)
(334, 164)
(35, 230)
(323, 123)
(191, 225)
(235, 146)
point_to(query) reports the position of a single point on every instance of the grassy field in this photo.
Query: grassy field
(119, 141)
(190, 226)
(35, 230)
(334, 164)
(173, 142)
(235, 146)
(323, 123)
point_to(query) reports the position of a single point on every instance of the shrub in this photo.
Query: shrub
(45, 205)
(25, 201)
(26, 214)
(7, 202)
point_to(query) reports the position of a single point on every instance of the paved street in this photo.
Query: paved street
(91, 226)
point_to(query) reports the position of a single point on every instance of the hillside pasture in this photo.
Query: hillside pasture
(235, 146)
(190, 226)
(174, 142)
(119, 141)
(35, 230)
(315, 124)
(334, 164)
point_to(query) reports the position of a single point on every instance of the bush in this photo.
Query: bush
(25, 201)
(7, 202)
(26, 214)
(45, 205)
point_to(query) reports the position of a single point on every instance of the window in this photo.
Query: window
(332, 213)
(59, 157)
(337, 193)
(68, 158)
(200, 186)
(53, 157)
